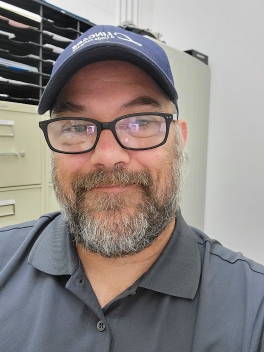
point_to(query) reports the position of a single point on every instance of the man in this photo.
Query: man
(120, 270)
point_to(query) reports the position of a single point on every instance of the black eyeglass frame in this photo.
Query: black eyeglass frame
(108, 126)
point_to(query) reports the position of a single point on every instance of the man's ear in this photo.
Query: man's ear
(183, 129)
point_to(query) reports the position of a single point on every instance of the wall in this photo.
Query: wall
(110, 11)
(231, 33)
(96, 11)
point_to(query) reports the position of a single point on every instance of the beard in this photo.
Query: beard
(117, 224)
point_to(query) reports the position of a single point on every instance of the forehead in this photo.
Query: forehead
(113, 78)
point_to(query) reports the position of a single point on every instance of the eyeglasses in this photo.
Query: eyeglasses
(77, 135)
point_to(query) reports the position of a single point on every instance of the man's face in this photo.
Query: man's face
(116, 201)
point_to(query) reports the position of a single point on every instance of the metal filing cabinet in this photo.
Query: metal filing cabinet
(25, 189)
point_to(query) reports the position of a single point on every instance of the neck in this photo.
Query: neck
(111, 276)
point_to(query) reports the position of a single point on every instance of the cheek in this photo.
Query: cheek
(70, 164)
(157, 161)
(64, 167)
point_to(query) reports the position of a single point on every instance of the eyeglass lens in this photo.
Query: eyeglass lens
(137, 132)
(72, 136)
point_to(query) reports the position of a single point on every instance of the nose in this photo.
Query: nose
(108, 152)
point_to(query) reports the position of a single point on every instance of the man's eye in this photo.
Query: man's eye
(79, 128)
(75, 129)
(142, 123)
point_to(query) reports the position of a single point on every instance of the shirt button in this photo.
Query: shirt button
(100, 325)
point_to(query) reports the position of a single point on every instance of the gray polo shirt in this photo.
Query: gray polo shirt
(198, 296)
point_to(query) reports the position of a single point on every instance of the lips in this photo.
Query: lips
(113, 188)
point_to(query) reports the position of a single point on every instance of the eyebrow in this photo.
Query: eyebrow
(65, 106)
(143, 100)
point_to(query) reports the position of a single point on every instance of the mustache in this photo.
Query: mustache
(119, 176)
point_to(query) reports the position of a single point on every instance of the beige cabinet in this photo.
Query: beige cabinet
(192, 79)
(20, 147)
(19, 205)
(25, 188)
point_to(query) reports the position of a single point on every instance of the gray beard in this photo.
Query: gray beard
(116, 225)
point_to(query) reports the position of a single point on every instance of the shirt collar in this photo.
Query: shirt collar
(176, 272)
(54, 251)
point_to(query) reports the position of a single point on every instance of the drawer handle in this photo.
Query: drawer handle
(8, 154)
(5, 203)
(10, 124)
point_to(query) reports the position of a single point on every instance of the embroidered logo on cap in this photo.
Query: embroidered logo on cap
(103, 36)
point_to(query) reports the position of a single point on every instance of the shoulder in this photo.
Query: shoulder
(16, 230)
(12, 232)
(229, 279)
(231, 295)
(15, 237)
(225, 258)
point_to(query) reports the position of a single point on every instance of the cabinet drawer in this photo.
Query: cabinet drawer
(20, 149)
(19, 205)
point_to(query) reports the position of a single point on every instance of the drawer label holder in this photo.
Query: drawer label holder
(4, 203)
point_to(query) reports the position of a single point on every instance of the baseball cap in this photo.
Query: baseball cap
(102, 43)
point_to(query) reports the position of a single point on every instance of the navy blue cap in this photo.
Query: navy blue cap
(102, 43)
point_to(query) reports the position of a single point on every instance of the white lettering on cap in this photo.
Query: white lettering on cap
(126, 37)
(103, 36)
